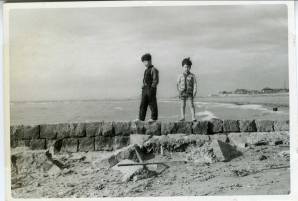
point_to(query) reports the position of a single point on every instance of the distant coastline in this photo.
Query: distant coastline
(266, 90)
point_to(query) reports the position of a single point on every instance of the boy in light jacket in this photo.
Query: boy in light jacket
(187, 88)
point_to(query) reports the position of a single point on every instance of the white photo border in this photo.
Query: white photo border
(87, 4)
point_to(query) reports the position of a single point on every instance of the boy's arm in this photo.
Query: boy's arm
(155, 78)
(195, 86)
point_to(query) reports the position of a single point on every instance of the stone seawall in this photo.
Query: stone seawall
(108, 136)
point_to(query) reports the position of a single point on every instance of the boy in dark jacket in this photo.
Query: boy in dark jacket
(149, 87)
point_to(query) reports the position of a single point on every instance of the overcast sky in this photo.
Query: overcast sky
(94, 53)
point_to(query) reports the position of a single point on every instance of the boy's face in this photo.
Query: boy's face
(147, 63)
(186, 68)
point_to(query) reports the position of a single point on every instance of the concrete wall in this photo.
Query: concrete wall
(108, 136)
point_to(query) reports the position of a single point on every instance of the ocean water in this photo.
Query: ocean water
(125, 110)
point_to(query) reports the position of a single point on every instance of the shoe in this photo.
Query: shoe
(151, 120)
(182, 119)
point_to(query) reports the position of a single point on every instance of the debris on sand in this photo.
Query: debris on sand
(119, 155)
(285, 154)
(224, 151)
(203, 154)
(128, 171)
(213, 152)
(54, 170)
(240, 172)
(262, 157)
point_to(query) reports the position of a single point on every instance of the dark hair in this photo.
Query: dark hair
(146, 57)
(186, 61)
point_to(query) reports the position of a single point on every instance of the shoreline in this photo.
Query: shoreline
(161, 98)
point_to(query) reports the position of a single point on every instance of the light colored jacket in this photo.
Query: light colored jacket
(191, 84)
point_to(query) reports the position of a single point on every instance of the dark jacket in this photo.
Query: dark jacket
(151, 77)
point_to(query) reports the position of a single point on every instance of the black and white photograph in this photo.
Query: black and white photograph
(135, 99)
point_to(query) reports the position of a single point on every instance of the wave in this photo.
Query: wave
(206, 115)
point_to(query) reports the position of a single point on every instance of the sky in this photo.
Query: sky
(94, 53)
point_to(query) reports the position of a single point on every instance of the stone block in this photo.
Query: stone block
(23, 143)
(122, 128)
(25, 132)
(17, 132)
(223, 151)
(168, 127)
(19, 143)
(104, 143)
(200, 127)
(37, 144)
(48, 131)
(264, 125)
(121, 154)
(93, 129)
(221, 136)
(69, 145)
(247, 126)
(139, 139)
(177, 142)
(108, 129)
(215, 126)
(231, 126)
(87, 144)
(153, 128)
(281, 125)
(78, 130)
(120, 141)
(268, 138)
(197, 139)
(50, 143)
(259, 138)
(153, 144)
(138, 127)
(175, 136)
(238, 139)
(31, 132)
(184, 127)
(13, 130)
(53, 131)
(13, 143)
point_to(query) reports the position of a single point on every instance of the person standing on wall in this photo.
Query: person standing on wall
(149, 88)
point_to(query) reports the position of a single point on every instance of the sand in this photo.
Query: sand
(260, 170)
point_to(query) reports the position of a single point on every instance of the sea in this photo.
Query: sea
(71, 111)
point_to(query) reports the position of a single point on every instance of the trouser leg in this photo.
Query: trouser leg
(153, 108)
(153, 104)
(143, 106)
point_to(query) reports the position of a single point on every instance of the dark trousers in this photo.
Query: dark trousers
(148, 98)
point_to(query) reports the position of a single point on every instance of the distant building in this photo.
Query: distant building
(225, 92)
(241, 91)
(267, 90)
(254, 92)
(284, 90)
